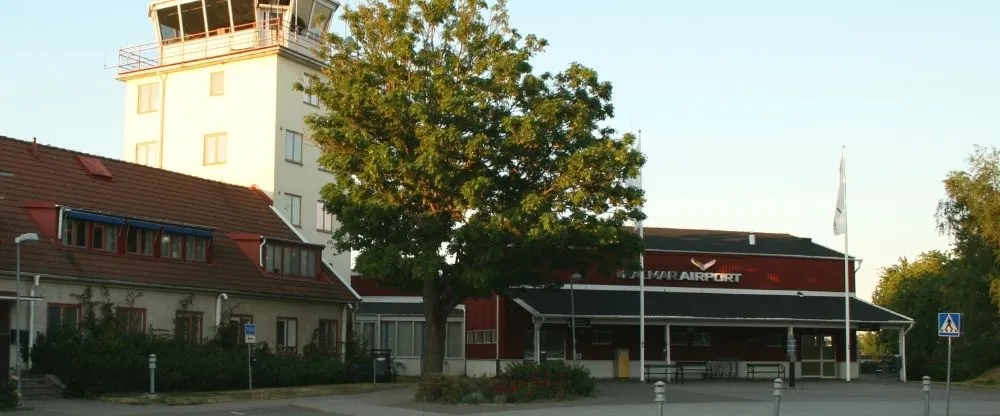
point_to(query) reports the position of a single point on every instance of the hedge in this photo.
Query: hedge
(101, 356)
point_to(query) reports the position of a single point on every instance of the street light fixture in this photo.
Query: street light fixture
(575, 277)
(23, 239)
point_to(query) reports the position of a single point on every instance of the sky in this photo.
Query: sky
(744, 106)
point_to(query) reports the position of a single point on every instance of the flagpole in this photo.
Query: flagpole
(642, 288)
(847, 279)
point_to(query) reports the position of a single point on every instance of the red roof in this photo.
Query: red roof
(37, 175)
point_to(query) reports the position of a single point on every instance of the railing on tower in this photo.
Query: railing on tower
(248, 37)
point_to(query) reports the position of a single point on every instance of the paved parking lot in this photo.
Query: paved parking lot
(858, 398)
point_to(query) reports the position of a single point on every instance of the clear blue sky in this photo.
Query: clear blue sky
(743, 105)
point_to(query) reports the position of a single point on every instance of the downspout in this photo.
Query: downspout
(163, 111)
(902, 352)
(59, 230)
(343, 329)
(218, 310)
(496, 337)
(260, 253)
(31, 319)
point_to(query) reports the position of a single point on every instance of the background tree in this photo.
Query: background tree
(459, 171)
(965, 280)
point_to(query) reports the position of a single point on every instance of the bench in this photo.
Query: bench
(753, 369)
(694, 367)
(665, 370)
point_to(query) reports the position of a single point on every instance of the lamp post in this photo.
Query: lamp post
(572, 309)
(26, 238)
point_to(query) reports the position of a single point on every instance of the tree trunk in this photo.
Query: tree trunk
(436, 318)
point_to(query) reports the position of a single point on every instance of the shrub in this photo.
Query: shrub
(518, 383)
(102, 356)
(552, 380)
(8, 394)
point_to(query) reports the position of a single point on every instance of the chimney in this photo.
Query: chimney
(753, 239)
(34, 147)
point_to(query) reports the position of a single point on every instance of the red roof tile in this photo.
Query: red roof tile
(72, 179)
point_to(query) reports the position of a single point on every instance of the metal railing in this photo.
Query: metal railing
(220, 42)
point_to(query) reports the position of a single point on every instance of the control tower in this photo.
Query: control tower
(213, 97)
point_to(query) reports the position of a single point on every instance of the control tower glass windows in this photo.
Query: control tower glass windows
(217, 14)
(193, 20)
(243, 14)
(170, 23)
(320, 18)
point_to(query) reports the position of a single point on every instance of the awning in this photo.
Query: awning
(396, 308)
(695, 306)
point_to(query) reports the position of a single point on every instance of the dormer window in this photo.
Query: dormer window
(114, 234)
(291, 260)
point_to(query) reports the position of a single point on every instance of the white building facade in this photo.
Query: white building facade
(214, 97)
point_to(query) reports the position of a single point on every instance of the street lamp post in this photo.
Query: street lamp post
(572, 310)
(26, 238)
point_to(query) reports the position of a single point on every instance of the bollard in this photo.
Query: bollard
(927, 395)
(777, 396)
(660, 388)
(152, 374)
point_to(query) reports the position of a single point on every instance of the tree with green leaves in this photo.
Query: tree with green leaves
(459, 171)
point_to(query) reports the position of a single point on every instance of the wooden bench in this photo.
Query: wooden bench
(753, 369)
(665, 370)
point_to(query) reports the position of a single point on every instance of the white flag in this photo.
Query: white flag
(840, 216)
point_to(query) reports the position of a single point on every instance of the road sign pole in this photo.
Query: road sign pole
(250, 365)
(947, 384)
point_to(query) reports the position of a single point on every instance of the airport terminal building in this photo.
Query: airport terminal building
(721, 304)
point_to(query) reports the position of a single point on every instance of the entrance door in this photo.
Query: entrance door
(818, 356)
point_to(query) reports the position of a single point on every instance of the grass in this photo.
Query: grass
(191, 398)
(991, 378)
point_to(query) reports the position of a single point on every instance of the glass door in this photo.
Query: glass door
(818, 356)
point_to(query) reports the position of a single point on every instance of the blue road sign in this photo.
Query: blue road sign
(250, 333)
(949, 324)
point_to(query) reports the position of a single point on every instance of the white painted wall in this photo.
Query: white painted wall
(256, 108)
(161, 308)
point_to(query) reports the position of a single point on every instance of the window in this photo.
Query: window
(482, 336)
(187, 326)
(74, 233)
(291, 260)
(311, 99)
(239, 321)
(454, 342)
(404, 338)
(140, 241)
(553, 342)
(364, 332)
(196, 249)
(678, 338)
(132, 319)
(293, 147)
(62, 314)
(104, 237)
(701, 339)
(170, 246)
(217, 84)
(324, 219)
(215, 148)
(149, 97)
(599, 337)
(328, 336)
(288, 335)
(294, 209)
(145, 154)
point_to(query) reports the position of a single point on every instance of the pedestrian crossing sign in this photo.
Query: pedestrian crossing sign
(949, 324)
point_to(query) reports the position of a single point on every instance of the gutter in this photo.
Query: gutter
(202, 290)
(729, 253)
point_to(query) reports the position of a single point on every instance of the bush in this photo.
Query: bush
(529, 381)
(102, 356)
(518, 383)
(8, 394)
